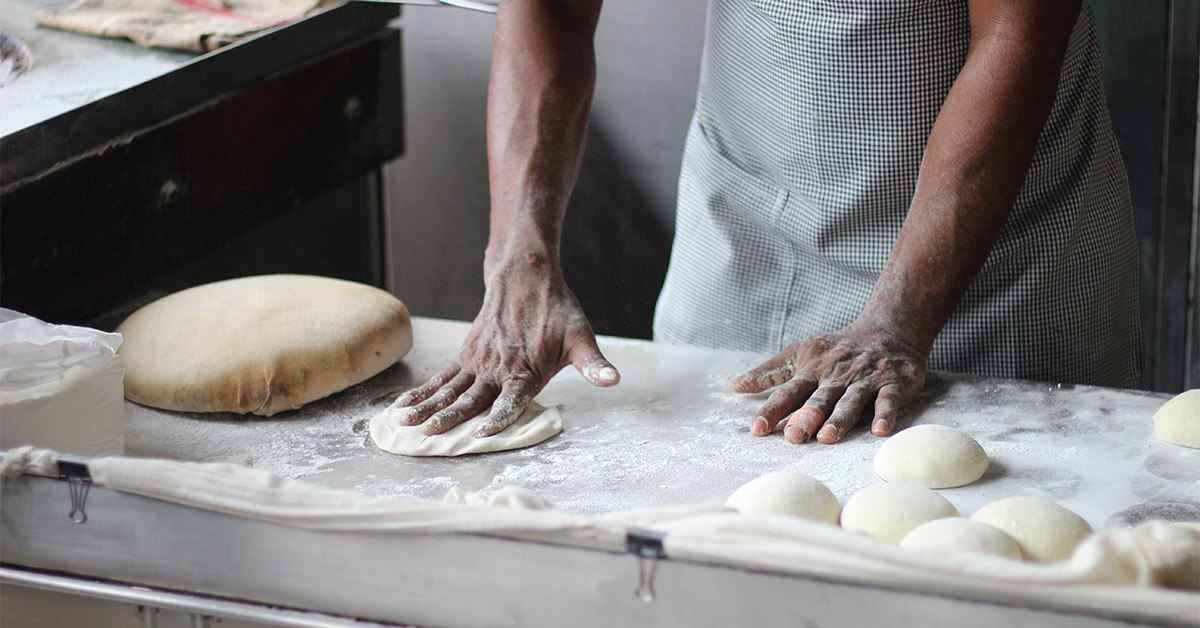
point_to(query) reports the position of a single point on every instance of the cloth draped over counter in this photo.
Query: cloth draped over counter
(1154, 567)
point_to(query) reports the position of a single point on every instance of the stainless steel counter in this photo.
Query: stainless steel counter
(671, 433)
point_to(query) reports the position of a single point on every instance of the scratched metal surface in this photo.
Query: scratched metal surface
(671, 433)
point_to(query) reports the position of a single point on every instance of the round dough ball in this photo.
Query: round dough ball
(786, 493)
(1178, 420)
(1045, 531)
(955, 535)
(935, 456)
(889, 511)
(260, 344)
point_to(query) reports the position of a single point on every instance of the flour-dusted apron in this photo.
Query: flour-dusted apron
(801, 161)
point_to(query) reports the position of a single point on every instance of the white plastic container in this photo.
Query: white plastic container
(61, 387)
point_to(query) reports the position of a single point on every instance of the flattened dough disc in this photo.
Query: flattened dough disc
(535, 425)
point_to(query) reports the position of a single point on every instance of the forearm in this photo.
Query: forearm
(974, 165)
(539, 96)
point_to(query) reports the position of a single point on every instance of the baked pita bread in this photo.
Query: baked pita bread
(261, 344)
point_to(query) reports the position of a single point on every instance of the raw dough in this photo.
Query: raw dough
(936, 456)
(1195, 525)
(956, 534)
(511, 497)
(535, 425)
(1045, 531)
(786, 493)
(1178, 420)
(260, 344)
(889, 511)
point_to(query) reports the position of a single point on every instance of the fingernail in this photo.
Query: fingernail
(603, 375)
(828, 434)
(795, 434)
(403, 400)
(759, 426)
(879, 427)
(607, 374)
(407, 416)
(445, 416)
(776, 378)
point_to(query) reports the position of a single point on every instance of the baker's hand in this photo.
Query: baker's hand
(823, 384)
(529, 328)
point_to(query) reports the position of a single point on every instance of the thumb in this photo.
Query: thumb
(593, 366)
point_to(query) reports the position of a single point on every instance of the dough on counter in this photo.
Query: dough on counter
(1044, 530)
(889, 511)
(260, 344)
(935, 456)
(1194, 525)
(786, 493)
(535, 425)
(956, 534)
(1178, 420)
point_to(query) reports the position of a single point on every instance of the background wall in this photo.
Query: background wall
(620, 220)
(621, 216)
(1150, 72)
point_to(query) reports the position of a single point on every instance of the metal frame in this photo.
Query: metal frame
(151, 605)
(1174, 363)
(229, 564)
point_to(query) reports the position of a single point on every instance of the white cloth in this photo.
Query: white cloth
(1112, 571)
(61, 387)
(1155, 554)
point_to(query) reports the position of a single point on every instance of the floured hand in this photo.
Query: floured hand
(529, 328)
(823, 384)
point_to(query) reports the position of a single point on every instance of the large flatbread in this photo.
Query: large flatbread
(260, 344)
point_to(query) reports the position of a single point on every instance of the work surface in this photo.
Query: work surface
(71, 70)
(672, 433)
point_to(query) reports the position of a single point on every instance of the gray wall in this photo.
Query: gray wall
(620, 220)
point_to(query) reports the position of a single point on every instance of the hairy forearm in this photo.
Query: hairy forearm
(974, 165)
(539, 96)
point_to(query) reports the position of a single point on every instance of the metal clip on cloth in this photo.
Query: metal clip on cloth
(79, 480)
(647, 545)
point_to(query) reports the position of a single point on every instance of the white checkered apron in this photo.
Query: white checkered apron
(802, 157)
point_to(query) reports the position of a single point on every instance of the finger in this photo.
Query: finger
(592, 365)
(422, 392)
(416, 414)
(803, 424)
(514, 397)
(773, 372)
(887, 406)
(845, 414)
(468, 405)
(779, 404)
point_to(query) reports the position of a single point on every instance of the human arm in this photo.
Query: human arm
(975, 160)
(530, 325)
